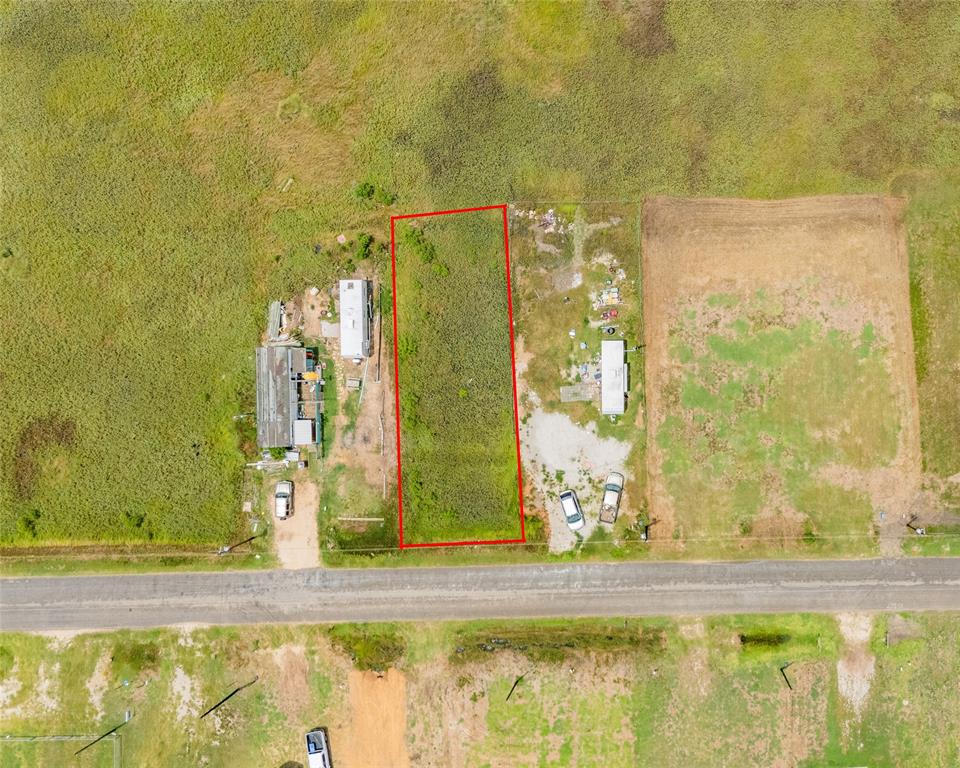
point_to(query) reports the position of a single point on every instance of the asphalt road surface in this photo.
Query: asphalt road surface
(416, 594)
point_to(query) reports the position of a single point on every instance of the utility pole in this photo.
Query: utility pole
(112, 731)
(229, 696)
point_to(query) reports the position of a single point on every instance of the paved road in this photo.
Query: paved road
(586, 589)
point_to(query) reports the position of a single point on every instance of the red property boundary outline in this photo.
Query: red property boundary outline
(513, 370)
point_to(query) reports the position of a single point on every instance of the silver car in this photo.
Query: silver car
(283, 499)
(612, 491)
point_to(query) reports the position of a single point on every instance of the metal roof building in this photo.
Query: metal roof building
(278, 395)
(613, 378)
(356, 318)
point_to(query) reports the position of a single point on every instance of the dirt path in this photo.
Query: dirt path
(376, 736)
(856, 666)
(296, 537)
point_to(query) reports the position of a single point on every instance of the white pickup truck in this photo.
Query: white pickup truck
(612, 491)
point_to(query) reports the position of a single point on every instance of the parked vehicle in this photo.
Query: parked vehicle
(612, 491)
(283, 499)
(571, 510)
(318, 749)
(609, 314)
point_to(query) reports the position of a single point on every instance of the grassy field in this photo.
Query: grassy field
(457, 433)
(693, 692)
(169, 168)
(749, 422)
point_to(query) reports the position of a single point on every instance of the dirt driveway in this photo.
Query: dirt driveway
(376, 736)
(296, 537)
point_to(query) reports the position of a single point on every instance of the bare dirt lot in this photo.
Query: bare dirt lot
(837, 264)
(377, 731)
(296, 537)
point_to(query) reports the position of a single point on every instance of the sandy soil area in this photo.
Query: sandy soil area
(376, 736)
(853, 246)
(553, 443)
(856, 665)
(296, 537)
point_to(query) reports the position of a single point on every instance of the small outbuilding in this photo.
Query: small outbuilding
(613, 378)
(356, 318)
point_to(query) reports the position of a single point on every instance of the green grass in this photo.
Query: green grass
(934, 287)
(145, 146)
(610, 692)
(755, 408)
(457, 440)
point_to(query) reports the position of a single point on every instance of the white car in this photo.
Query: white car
(571, 510)
(612, 491)
(283, 499)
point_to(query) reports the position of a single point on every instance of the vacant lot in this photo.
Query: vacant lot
(780, 373)
(586, 694)
(457, 429)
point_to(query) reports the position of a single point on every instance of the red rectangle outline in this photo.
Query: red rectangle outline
(513, 369)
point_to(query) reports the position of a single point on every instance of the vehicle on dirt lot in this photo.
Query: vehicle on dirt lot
(571, 510)
(283, 499)
(318, 749)
(612, 491)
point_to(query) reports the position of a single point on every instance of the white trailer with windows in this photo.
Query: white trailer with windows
(613, 378)
(356, 319)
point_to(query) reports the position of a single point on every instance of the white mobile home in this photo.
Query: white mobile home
(613, 378)
(356, 318)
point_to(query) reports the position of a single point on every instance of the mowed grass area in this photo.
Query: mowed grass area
(611, 692)
(145, 146)
(457, 427)
(756, 407)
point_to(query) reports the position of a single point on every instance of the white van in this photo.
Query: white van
(283, 499)
(571, 510)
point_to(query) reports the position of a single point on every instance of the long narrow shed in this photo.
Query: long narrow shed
(278, 371)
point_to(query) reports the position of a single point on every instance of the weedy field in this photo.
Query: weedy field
(169, 168)
(457, 429)
(796, 690)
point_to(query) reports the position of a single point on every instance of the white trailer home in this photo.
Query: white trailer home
(613, 378)
(356, 319)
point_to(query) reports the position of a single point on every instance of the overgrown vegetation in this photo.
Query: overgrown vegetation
(168, 168)
(457, 437)
(369, 646)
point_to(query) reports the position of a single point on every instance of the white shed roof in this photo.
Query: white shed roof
(613, 377)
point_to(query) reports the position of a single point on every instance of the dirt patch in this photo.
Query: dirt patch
(44, 698)
(561, 454)
(293, 669)
(850, 249)
(98, 683)
(802, 714)
(34, 439)
(296, 537)
(376, 736)
(184, 694)
(900, 628)
(367, 439)
(9, 688)
(856, 665)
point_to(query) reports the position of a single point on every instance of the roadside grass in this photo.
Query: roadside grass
(144, 220)
(692, 691)
(457, 433)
